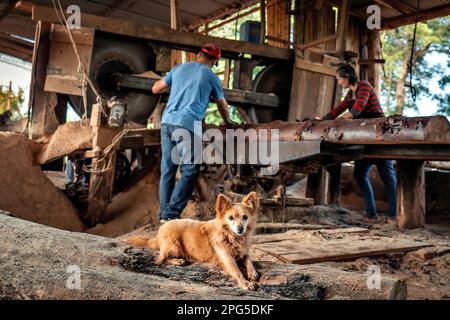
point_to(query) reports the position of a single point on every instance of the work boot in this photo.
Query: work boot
(372, 220)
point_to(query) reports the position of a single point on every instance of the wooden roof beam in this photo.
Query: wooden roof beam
(423, 16)
(188, 41)
(397, 5)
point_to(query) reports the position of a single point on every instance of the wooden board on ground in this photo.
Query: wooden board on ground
(265, 238)
(277, 227)
(352, 247)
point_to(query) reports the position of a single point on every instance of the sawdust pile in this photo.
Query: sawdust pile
(133, 208)
(26, 192)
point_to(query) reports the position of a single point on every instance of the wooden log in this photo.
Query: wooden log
(410, 194)
(350, 285)
(40, 262)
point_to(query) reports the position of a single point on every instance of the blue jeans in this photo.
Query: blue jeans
(174, 197)
(387, 174)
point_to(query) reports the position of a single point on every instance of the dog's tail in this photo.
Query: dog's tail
(142, 241)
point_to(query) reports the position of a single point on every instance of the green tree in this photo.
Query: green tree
(16, 101)
(434, 36)
(229, 31)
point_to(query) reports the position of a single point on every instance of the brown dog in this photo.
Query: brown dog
(222, 241)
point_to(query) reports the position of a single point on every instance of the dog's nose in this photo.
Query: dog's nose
(240, 229)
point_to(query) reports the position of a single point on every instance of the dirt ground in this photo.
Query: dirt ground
(426, 271)
(29, 194)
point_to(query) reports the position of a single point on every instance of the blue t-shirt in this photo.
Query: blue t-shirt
(191, 86)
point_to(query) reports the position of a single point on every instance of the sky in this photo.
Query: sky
(22, 78)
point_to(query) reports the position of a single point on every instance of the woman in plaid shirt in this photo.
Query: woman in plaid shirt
(362, 102)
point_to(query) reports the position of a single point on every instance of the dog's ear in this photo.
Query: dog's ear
(252, 201)
(223, 204)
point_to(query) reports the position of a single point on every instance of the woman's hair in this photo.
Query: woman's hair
(347, 71)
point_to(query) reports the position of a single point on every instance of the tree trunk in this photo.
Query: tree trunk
(400, 94)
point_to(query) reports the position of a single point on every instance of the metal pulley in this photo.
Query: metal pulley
(117, 111)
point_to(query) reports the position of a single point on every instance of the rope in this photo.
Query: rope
(413, 88)
(105, 162)
(81, 68)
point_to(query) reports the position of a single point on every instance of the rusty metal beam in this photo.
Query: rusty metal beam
(396, 130)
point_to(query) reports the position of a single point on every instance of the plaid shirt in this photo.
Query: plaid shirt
(366, 104)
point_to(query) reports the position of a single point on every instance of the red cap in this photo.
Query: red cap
(211, 50)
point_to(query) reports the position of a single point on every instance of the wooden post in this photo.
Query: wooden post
(344, 11)
(8, 97)
(226, 77)
(175, 54)
(410, 194)
(316, 187)
(100, 184)
(374, 52)
(335, 184)
(262, 4)
(41, 103)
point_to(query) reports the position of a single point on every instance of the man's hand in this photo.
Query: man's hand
(222, 106)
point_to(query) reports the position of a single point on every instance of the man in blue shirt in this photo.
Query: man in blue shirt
(191, 86)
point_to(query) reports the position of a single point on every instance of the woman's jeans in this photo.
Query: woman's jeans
(174, 197)
(387, 174)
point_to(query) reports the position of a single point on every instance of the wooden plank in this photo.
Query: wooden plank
(352, 247)
(317, 42)
(24, 6)
(410, 194)
(315, 67)
(188, 41)
(277, 227)
(302, 230)
(63, 74)
(289, 202)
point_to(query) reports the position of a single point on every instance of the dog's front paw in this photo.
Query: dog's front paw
(253, 275)
(248, 285)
